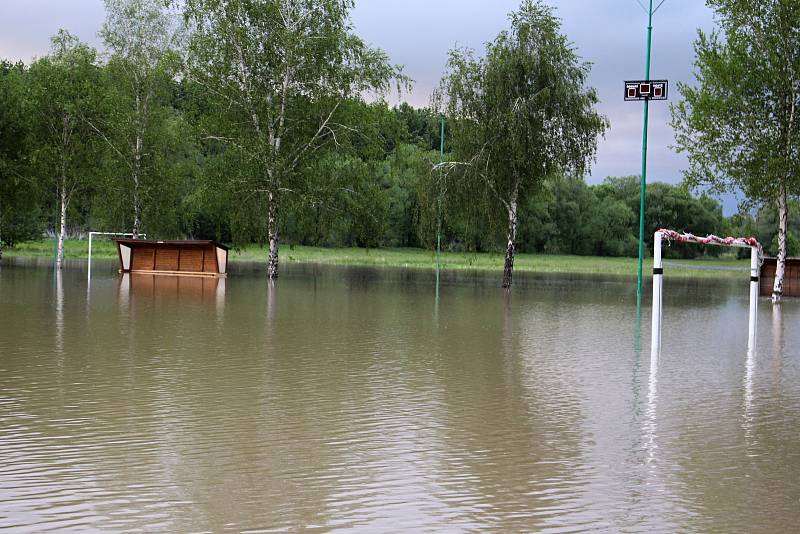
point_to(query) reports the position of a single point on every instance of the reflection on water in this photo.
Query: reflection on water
(651, 424)
(354, 399)
(59, 319)
(151, 286)
(748, 416)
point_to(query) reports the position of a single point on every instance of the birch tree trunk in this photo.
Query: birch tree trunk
(508, 269)
(783, 210)
(137, 208)
(272, 232)
(62, 227)
(276, 135)
(137, 168)
(137, 201)
(783, 225)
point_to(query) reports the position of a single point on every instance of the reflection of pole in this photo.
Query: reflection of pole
(637, 361)
(644, 154)
(658, 275)
(220, 297)
(439, 212)
(747, 416)
(754, 268)
(652, 405)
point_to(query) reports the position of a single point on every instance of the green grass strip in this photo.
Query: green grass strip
(410, 258)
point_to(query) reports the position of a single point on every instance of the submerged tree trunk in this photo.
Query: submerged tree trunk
(508, 269)
(272, 232)
(783, 224)
(62, 228)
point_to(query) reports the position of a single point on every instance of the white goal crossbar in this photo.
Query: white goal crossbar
(756, 254)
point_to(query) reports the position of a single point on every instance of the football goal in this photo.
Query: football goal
(108, 234)
(756, 255)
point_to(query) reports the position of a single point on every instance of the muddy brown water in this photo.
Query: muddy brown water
(349, 400)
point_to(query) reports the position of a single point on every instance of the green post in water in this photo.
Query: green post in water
(439, 212)
(644, 156)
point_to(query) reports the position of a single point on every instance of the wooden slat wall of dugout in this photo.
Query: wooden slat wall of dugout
(210, 260)
(192, 260)
(143, 259)
(791, 277)
(166, 259)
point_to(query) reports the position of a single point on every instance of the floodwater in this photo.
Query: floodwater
(349, 400)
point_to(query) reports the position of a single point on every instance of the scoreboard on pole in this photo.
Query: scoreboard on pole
(646, 90)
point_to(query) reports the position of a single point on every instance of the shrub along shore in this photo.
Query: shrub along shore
(413, 258)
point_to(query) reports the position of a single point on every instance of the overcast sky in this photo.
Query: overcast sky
(418, 34)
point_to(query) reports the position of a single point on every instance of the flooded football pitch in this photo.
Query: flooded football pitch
(352, 399)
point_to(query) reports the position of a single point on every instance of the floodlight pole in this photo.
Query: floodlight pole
(644, 155)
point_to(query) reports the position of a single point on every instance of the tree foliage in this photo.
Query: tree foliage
(276, 74)
(519, 114)
(366, 174)
(64, 86)
(20, 193)
(145, 41)
(740, 127)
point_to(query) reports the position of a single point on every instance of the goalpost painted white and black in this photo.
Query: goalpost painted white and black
(756, 255)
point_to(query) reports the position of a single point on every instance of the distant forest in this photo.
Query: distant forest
(377, 193)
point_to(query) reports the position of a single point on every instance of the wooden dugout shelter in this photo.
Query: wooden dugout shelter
(185, 258)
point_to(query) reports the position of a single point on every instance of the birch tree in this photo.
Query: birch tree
(740, 126)
(518, 114)
(63, 90)
(275, 73)
(144, 40)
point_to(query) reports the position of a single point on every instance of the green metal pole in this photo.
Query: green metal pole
(439, 211)
(644, 155)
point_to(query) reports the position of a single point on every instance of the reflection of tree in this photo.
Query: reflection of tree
(510, 429)
(59, 322)
(778, 346)
(343, 406)
(208, 431)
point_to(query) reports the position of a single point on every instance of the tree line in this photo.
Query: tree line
(262, 122)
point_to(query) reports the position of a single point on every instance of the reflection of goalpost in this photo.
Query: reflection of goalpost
(658, 275)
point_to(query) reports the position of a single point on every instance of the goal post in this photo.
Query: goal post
(756, 254)
(91, 237)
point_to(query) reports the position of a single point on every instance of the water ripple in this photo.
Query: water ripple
(356, 403)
